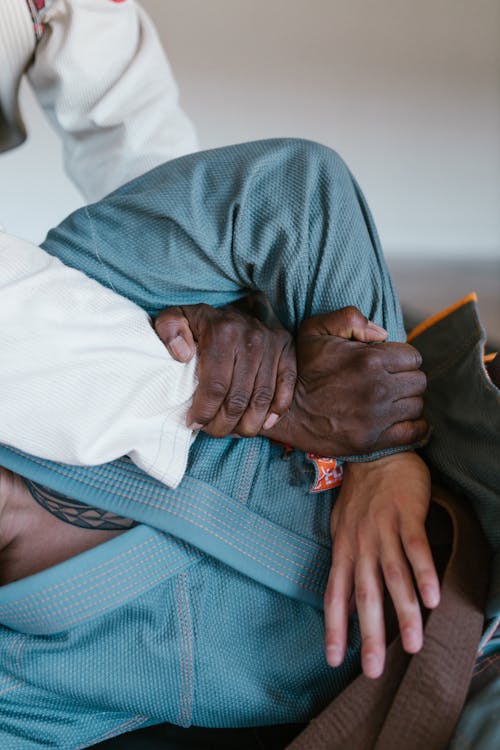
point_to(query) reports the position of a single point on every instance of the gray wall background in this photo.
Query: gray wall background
(408, 92)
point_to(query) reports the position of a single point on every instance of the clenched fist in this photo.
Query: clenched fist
(352, 396)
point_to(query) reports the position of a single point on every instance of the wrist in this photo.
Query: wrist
(403, 464)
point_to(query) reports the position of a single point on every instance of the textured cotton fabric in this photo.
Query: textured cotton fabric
(218, 621)
(84, 379)
(464, 406)
(102, 369)
(102, 77)
(17, 44)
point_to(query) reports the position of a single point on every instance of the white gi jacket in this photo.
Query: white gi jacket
(83, 377)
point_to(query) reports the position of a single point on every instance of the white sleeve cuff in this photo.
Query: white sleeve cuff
(83, 378)
(102, 77)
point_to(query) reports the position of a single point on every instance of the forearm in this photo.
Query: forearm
(210, 227)
(229, 221)
(102, 77)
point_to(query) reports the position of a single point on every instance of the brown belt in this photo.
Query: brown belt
(416, 703)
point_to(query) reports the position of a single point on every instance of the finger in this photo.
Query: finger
(407, 384)
(407, 409)
(418, 551)
(348, 322)
(259, 403)
(398, 357)
(215, 373)
(402, 591)
(237, 398)
(369, 602)
(402, 433)
(285, 386)
(173, 329)
(337, 600)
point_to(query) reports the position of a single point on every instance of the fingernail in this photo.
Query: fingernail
(333, 656)
(195, 426)
(179, 349)
(271, 421)
(375, 327)
(430, 596)
(372, 665)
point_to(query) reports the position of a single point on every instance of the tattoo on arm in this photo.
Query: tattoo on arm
(77, 513)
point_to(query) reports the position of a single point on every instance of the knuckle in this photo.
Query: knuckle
(410, 610)
(167, 321)
(262, 397)
(333, 598)
(415, 545)
(372, 644)
(236, 403)
(255, 339)
(226, 329)
(288, 378)
(382, 519)
(421, 383)
(380, 391)
(417, 356)
(365, 596)
(352, 316)
(202, 414)
(374, 360)
(363, 533)
(393, 573)
(413, 355)
(216, 389)
(168, 328)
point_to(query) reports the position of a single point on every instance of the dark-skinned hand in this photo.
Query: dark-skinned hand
(246, 370)
(352, 397)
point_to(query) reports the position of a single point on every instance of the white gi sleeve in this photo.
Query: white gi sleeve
(88, 387)
(98, 385)
(102, 77)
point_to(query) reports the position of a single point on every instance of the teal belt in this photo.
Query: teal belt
(196, 517)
